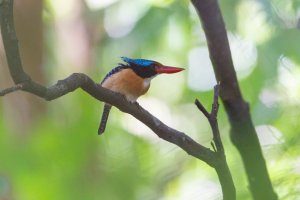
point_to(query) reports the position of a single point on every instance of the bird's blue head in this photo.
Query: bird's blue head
(149, 68)
(139, 62)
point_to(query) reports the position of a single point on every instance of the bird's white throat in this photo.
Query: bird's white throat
(147, 81)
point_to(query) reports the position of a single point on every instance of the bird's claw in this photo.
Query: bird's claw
(136, 103)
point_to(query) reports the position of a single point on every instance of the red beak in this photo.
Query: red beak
(168, 70)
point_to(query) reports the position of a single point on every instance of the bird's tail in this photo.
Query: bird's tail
(104, 118)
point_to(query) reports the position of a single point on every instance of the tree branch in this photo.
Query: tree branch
(78, 80)
(202, 108)
(222, 169)
(243, 134)
(11, 89)
(212, 118)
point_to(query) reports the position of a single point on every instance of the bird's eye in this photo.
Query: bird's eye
(154, 66)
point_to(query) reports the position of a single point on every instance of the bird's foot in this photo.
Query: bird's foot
(136, 103)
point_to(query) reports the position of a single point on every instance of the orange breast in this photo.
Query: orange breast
(128, 83)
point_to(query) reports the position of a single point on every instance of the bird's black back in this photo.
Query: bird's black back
(115, 70)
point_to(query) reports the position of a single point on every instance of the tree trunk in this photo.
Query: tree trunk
(23, 109)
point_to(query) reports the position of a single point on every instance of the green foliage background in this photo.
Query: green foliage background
(62, 157)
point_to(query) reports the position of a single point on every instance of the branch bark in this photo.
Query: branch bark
(243, 134)
(222, 169)
(23, 82)
(11, 89)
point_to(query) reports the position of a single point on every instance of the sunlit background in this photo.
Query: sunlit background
(52, 151)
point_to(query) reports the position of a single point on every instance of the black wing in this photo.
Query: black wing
(115, 70)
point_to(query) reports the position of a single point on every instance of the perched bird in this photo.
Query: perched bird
(132, 80)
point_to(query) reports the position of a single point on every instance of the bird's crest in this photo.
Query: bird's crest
(140, 62)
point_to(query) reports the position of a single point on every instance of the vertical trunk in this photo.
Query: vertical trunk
(243, 133)
(23, 109)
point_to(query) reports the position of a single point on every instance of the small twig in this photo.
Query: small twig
(213, 146)
(11, 89)
(212, 118)
(202, 109)
(222, 168)
(215, 105)
(214, 122)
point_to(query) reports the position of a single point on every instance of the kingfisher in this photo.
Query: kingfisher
(132, 80)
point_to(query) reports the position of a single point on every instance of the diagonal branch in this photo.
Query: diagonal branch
(82, 81)
(78, 80)
(11, 89)
(202, 108)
